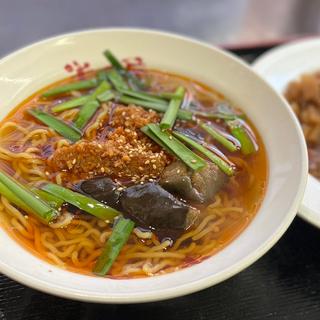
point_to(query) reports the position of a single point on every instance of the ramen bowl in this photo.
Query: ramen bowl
(27, 70)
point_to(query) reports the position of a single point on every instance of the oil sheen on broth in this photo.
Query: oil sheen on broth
(115, 154)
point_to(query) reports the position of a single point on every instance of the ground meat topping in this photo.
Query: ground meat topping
(132, 117)
(125, 153)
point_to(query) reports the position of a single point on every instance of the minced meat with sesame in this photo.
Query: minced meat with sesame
(125, 153)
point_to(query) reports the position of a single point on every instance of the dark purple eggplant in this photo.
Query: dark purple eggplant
(102, 189)
(197, 186)
(152, 206)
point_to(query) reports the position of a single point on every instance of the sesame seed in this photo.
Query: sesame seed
(74, 161)
(170, 137)
(102, 169)
(154, 166)
(193, 161)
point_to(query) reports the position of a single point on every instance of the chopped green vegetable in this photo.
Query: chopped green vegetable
(76, 102)
(167, 95)
(214, 115)
(119, 236)
(25, 199)
(239, 131)
(170, 115)
(88, 110)
(80, 85)
(132, 79)
(114, 61)
(86, 113)
(215, 134)
(159, 107)
(152, 136)
(66, 130)
(102, 76)
(224, 166)
(103, 87)
(49, 198)
(105, 96)
(72, 103)
(11, 197)
(135, 82)
(179, 149)
(143, 96)
(117, 80)
(92, 206)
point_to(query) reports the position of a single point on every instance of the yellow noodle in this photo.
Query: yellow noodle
(16, 155)
(131, 268)
(32, 134)
(20, 228)
(14, 212)
(104, 236)
(16, 126)
(208, 229)
(55, 259)
(59, 234)
(190, 234)
(61, 143)
(69, 114)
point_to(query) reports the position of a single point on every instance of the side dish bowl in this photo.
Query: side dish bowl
(27, 70)
(279, 67)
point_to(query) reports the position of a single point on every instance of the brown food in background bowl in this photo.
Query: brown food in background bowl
(304, 97)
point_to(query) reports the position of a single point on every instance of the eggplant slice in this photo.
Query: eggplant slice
(197, 186)
(152, 206)
(102, 189)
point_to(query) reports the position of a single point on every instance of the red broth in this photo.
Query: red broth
(26, 147)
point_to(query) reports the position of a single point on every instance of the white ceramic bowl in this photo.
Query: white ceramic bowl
(279, 66)
(33, 67)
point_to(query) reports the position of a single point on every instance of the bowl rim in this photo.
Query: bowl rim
(189, 287)
(266, 63)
